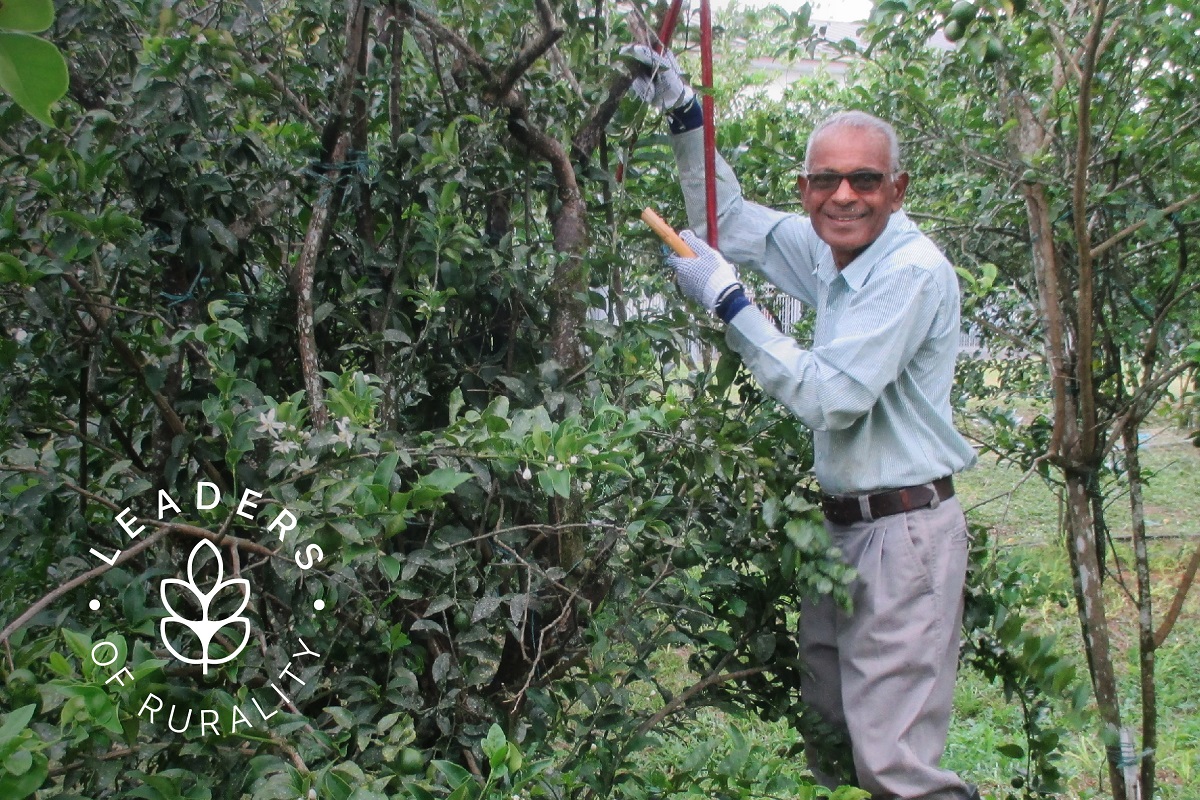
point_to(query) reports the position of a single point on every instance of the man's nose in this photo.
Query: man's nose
(843, 193)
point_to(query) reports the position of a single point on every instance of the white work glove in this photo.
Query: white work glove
(708, 277)
(664, 88)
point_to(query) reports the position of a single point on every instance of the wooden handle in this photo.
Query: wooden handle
(667, 233)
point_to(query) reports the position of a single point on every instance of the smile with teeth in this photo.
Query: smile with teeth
(846, 217)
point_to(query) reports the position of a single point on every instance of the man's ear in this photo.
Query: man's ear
(901, 184)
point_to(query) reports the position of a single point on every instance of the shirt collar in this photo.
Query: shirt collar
(857, 271)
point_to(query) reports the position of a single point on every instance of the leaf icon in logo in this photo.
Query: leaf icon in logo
(204, 628)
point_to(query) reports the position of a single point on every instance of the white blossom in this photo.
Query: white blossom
(304, 465)
(268, 424)
(344, 434)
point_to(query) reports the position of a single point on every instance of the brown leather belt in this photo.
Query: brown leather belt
(846, 509)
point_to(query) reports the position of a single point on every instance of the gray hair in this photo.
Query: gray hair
(858, 120)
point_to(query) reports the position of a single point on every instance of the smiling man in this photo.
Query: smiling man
(853, 183)
(875, 389)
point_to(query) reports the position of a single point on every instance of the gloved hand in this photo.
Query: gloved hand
(706, 278)
(664, 88)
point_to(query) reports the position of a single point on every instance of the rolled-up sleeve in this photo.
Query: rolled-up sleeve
(781, 247)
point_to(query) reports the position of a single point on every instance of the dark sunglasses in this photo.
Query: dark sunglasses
(862, 181)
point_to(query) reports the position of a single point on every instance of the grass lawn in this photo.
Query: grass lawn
(1022, 514)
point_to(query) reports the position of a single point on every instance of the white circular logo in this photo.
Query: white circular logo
(204, 622)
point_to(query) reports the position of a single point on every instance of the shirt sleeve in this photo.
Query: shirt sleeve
(834, 384)
(781, 247)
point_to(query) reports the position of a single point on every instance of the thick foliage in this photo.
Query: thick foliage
(486, 548)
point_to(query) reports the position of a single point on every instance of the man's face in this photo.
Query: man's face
(845, 219)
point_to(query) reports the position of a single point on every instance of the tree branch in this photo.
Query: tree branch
(681, 699)
(78, 580)
(447, 36)
(1021, 343)
(592, 131)
(1185, 586)
(1085, 320)
(525, 59)
(1128, 231)
(568, 219)
(335, 142)
(1050, 300)
(304, 279)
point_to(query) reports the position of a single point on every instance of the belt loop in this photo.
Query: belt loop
(864, 507)
(936, 501)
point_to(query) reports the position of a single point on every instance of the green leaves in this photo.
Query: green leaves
(32, 70)
(30, 16)
(23, 768)
(508, 775)
(493, 528)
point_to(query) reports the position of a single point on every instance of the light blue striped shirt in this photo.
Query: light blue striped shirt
(875, 387)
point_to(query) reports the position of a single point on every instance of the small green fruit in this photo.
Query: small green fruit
(954, 30)
(20, 679)
(685, 558)
(993, 51)
(963, 12)
(411, 761)
(407, 140)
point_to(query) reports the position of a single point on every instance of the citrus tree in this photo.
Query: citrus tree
(346, 450)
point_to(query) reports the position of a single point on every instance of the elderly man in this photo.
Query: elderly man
(875, 389)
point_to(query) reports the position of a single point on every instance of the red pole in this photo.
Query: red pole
(710, 128)
(664, 42)
(668, 24)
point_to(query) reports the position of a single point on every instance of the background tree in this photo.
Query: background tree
(1056, 145)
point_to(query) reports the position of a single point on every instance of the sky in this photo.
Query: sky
(839, 10)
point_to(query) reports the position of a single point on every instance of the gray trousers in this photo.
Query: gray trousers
(883, 674)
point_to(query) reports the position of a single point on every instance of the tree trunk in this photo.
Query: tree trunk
(1146, 643)
(1093, 621)
(1066, 449)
